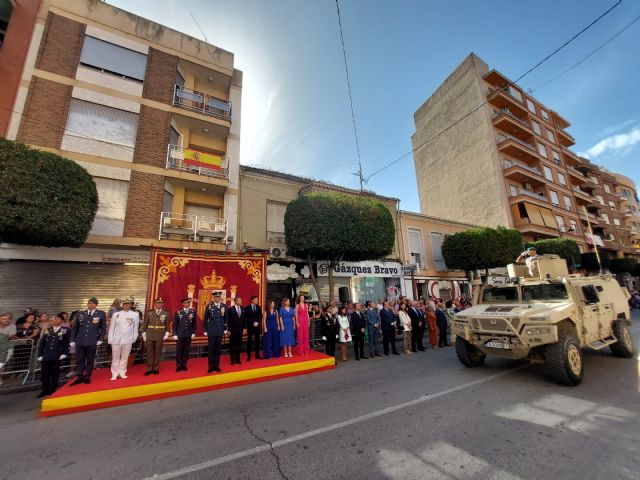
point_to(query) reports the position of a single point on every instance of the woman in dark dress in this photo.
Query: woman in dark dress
(329, 331)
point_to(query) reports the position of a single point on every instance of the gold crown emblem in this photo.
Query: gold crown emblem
(213, 281)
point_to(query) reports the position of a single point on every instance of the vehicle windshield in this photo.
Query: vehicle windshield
(500, 294)
(544, 293)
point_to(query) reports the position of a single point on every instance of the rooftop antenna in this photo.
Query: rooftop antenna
(199, 27)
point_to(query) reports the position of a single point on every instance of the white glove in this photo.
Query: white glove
(166, 335)
(72, 344)
(99, 343)
(205, 334)
(39, 359)
(144, 336)
(337, 336)
(62, 357)
(193, 335)
(324, 338)
(175, 337)
(226, 332)
(1, 365)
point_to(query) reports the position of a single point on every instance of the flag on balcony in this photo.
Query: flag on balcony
(202, 159)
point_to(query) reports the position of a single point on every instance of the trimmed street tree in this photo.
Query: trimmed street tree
(45, 200)
(623, 265)
(482, 248)
(336, 227)
(563, 247)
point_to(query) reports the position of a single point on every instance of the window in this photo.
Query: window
(112, 206)
(548, 174)
(200, 211)
(594, 179)
(531, 106)
(98, 122)
(536, 127)
(114, 59)
(545, 115)
(554, 198)
(416, 252)
(600, 199)
(612, 205)
(605, 217)
(616, 222)
(561, 179)
(6, 9)
(560, 221)
(436, 251)
(567, 203)
(574, 227)
(556, 156)
(550, 136)
(542, 150)
(550, 291)
(607, 188)
(275, 222)
(514, 93)
(500, 294)
(590, 294)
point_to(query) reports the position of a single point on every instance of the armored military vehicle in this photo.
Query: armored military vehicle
(547, 319)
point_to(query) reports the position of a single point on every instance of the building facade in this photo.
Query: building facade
(151, 113)
(508, 158)
(630, 208)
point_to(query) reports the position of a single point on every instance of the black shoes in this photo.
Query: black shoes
(42, 394)
(217, 370)
(179, 369)
(77, 381)
(396, 353)
(210, 370)
(87, 381)
(156, 372)
(146, 374)
(258, 357)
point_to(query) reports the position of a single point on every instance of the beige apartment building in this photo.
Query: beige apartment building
(507, 161)
(630, 208)
(152, 114)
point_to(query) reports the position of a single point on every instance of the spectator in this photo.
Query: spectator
(7, 333)
(388, 321)
(287, 335)
(405, 321)
(441, 321)
(115, 307)
(345, 335)
(29, 329)
(26, 313)
(65, 319)
(450, 313)
(431, 320)
(43, 322)
(358, 329)
(329, 329)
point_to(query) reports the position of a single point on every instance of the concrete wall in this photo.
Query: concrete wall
(458, 173)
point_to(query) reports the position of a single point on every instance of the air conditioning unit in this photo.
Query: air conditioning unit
(277, 252)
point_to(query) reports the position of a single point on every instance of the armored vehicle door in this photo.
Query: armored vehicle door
(592, 313)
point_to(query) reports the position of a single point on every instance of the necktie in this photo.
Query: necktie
(238, 310)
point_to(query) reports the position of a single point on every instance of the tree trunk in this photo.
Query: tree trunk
(314, 280)
(332, 264)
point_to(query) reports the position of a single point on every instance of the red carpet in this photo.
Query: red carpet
(103, 393)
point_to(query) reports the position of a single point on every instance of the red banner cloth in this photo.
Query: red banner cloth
(174, 275)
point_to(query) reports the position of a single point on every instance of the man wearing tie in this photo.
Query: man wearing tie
(86, 336)
(215, 327)
(184, 329)
(358, 326)
(253, 322)
(416, 325)
(236, 329)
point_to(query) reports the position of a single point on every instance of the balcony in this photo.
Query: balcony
(194, 161)
(521, 172)
(203, 103)
(516, 147)
(565, 139)
(580, 194)
(593, 220)
(192, 227)
(577, 174)
(525, 225)
(275, 237)
(506, 121)
(517, 193)
(503, 98)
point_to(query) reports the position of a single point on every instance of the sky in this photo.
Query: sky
(296, 116)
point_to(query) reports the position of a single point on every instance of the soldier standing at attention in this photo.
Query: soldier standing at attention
(184, 329)
(86, 336)
(215, 326)
(530, 258)
(155, 330)
(52, 349)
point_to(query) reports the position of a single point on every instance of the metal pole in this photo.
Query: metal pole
(595, 247)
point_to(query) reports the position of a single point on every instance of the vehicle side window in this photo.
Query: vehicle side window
(599, 288)
(590, 294)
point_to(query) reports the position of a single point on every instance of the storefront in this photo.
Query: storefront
(361, 281)
(430, 287)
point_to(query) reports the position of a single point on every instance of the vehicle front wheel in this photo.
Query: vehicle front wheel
(469, 355)
(624, 346)
(563, 361)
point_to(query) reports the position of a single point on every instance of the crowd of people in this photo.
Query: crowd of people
(271, 332)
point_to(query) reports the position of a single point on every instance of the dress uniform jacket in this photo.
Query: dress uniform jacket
(156, 324)
(215, 319)
(329, 327)
(88, 328)
(53, 344)
(184, 323)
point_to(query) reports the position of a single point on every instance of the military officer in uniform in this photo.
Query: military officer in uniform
(215, 327)
(52, 349)
(155, 330)
(184, 329)
(86, 336)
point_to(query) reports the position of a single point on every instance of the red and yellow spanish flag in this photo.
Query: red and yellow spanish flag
(202, 159)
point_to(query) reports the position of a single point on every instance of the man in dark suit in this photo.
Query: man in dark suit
(388, 321)
(215, 327)
(441, 321)
(414, 315)
(253, 322)
(86, 336)
(358, 327)
(422, 315)
(52, 349)
(236, 328)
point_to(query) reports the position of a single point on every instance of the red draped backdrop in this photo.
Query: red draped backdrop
(174, 275)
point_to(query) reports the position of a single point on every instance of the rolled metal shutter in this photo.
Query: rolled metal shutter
(65, 286)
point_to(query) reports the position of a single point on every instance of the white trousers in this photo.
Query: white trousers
(119, 359)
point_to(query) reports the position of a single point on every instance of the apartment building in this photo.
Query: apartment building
(507, 161)
(152, 114)
(629, 207)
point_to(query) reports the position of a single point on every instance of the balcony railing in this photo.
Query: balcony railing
(581, 192)
(507, 112)
(194, 227)
(504, 138)
(577, 172)
(194, 161)
(202, 103)
(515, 163)
(275, 237)
(529, 193)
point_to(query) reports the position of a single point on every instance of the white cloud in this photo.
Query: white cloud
(621, 141)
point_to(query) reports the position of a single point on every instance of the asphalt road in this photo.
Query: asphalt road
(411, 417)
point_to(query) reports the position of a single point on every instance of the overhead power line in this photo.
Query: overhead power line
(537, 65)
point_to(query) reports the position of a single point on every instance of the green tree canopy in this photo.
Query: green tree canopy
(623, 265)
(336, 226)
(482, 248)
(45, 199)
(563, 247)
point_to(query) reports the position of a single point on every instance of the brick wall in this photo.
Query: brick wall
(153, 137)
(61, 45)
(160, 77)
(144, 205)
(45, 113)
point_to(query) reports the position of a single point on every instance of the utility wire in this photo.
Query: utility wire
(588, 55)
(510, 83)
(353, 115)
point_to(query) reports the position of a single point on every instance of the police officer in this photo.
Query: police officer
(86, 336)
(215, 326)
(184, 329)
(155, 330)
(52, 349)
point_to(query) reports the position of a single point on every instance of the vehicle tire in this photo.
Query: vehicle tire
(469, 355)
(563, 361)
(624, 346)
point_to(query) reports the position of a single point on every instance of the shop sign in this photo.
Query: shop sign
(361, 269)
(277, 272)
(124, 258)
(497, 280)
